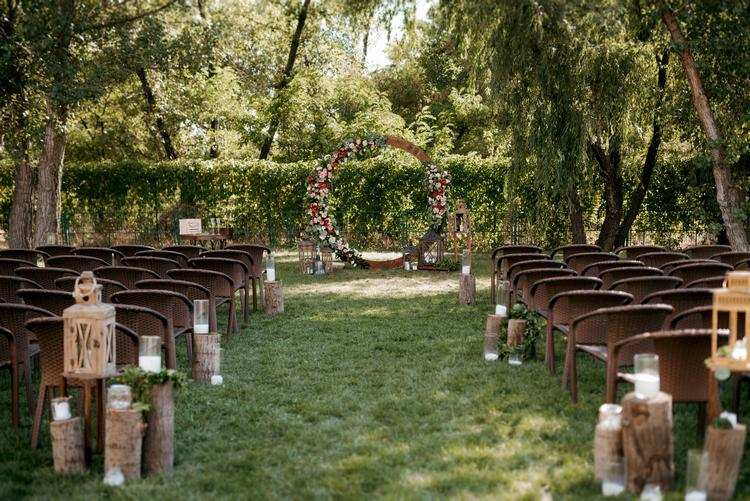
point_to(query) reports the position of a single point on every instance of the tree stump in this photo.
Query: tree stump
(67, 445)
(273, 293)
(206, 356)
(516, 328)
(467, 289)
(158, 443)
(123, 441)
(493, 324)
(724, 449)
(647, 441)
(607, 447)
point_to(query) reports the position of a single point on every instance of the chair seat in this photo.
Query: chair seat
(595, 350)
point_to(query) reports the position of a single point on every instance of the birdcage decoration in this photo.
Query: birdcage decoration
(734, 300)
(431, 251)
(306, 257)
(326, 255)
(89, 332)
(459, 227)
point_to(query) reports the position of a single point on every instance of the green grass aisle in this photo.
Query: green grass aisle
(370, 384)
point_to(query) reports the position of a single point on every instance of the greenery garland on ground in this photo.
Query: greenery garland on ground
(321, 224)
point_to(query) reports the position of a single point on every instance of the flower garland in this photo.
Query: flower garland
(321, 225)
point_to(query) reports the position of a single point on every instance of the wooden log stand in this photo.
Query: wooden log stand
(467, 289)
(724, 450)
(273, 298)
(123, 442)
(516, 328)
(647, 441)
(158, 443)
(493, 324)
(206, 356)
(67, 445)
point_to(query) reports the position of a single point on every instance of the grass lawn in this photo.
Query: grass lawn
(370, 384)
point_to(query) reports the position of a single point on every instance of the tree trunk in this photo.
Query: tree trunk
(50, 174)
(213, 149)
(151, 111)
(158, 442)
(285, 80)
(21, 210)
(67, 446)
(727, 194)
(577, 228)
(609, 167)
(467, 288)
(123, 442)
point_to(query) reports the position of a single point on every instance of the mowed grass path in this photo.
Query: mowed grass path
(371, 384)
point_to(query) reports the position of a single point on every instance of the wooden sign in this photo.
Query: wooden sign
(191, 227)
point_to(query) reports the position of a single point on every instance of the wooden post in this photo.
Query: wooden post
(123, 441)
(516, 328)
(158, 443)
(206, 356)
(493, 324)
(724, 450)
(67, 445)
(607, 447)
(467, 289)
(647, 441)
(273, 298)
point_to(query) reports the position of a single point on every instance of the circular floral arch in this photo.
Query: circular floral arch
(321, 225)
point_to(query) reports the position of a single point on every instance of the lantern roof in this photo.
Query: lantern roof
(431, 236)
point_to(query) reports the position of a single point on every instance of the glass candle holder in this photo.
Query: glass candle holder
(503, 298)
(270, 268)
(515, 357)
(200, 316)
(646, 375)
(465, 263)
(490, 347)
(695, 482)
(651, 492)
(149, 353)
(119, 397)
(607, 435)
(613, 479)
(61, 408)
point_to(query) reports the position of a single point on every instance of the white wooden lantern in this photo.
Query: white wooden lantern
(89, 348)
(734, 299)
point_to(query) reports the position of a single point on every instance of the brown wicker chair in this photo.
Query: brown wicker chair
(106, 254)
(109, 287)
(692, 272)
(129, 250)
(525, 279)
(544, 290)
(233, 268)
(77, 263)
(707, 283)
(570, 250)
(666, 268)
(580, 261)
(641, 287)
(680, 300)
(596, 269)
(158, 265)
(30, 255)
(189, 251)
(180, 258)
(190, 290)
(497, 254)
(506, 262)
(9, 266)
(220, 285)
(633, 251)
(706, 251)
(682, 368)
(9, 287)
(533, 264)
(46, 276)
(16, 350)
(55, 250)
(176, 307)
(730, 258)
(127, 276)
(700, 317)
(248, 261)
(567, 306)
(147, 322)
(743, 265)
(659, 259)
(596, 333)
(613, 275)
(54, 301)
(256, 252)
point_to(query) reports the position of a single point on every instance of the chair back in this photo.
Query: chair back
(54, 301)
(506, 261)
(158, 265)
(633, 251)
(106, 254)
(189, 251)
(533, 264)
(730, 258)
(706, 251)
(77, 263)
(641, 287)
(49, 332)
(109, 287)
(172, 305)
(46, 276)
(256, 252)
(234, 269)
(55, 250)
(13, 317)
(8, 266)
(612, 275)
(220, 284)
(596, 269)
(127, 276)
(545, 289)
(174, 256)
(580, 261)
(692, 272)
(667, 267)
(659, 259)
(30, 255)
(567, 306)
(743, 265)
(129, 250)
(9, 286)
(707, 283)
(149, 322)
(680, 299)
(568, 250)
(525, 279)
(239, 255)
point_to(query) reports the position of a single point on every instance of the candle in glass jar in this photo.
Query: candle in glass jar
(217, 380)
(646, 385)
(406, 265)
(150, 363)
(501, 309)
(612, 488)
(695, 496)
(60, 409)
(466, 270)
(271, 275)
(200, 328)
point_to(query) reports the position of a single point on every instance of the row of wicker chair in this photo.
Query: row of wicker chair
(611, 308)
